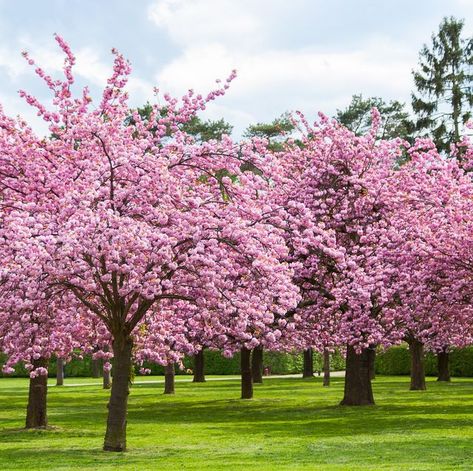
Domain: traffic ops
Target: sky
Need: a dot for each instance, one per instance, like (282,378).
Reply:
(307,55)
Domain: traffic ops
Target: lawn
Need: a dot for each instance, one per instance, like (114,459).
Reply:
(291,424)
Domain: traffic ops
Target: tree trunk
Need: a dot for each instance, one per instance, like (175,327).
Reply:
(246,376)
(358,390)
(107,379)
(36,411)
(443,365)
(60,372)
(308,369)
(372,359)
(199,367)
(169,379)
(115,436)
(326,368)
(416,349)
(257,365)
(97,369)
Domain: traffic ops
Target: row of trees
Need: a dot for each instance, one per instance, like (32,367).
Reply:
(125,236)
(441,102)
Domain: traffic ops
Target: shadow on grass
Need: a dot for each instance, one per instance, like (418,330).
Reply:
(288,420)
(358,454)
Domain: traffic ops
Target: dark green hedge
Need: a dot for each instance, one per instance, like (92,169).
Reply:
(215,364)
(337,361)
(75,368)
(396,361)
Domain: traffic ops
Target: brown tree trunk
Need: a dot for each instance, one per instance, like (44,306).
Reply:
(36,411)
(246,376)
(107,379)
(358,391)
(326,368)
(257,365)
(97,368)
(115,436)
(443,365)
(199,367)
(169,374)
(372,359)
(416,349)
(308,368)
(60,372)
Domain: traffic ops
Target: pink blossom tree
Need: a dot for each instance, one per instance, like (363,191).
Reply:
(336,183)
(432,210)
(139,215)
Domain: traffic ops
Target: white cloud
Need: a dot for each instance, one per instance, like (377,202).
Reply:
(216,36)
(50,58)
(239,23)
(91,69)
(304,54)
(90,66)
(15,106)
(199,66)
(273,81)
(12,64)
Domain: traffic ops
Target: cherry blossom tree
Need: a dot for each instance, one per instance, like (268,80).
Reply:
(432,211)
(33,325)
(337,186)
(140,215)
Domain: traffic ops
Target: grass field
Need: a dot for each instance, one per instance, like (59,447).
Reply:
(291,424)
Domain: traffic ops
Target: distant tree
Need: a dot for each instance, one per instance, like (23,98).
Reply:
(444,83)
(201,130)
(395,119)
(207,130)
(276,132)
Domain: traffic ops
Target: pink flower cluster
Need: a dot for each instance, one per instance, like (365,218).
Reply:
(120,228)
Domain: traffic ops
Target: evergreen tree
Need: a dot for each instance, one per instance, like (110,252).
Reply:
(444,83)
(357,117)
(201,130)
(276,132)
(207,130)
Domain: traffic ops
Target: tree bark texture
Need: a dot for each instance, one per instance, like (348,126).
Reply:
(60,372)
(257,365)
(169,374)
(199,367)
(97,368)
(36,411)
(416,350)
(308,368)
(443,366)
(107,379)
(326,368)
(246,375)
(115,436)
(358,391)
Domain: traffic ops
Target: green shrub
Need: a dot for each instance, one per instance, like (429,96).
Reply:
(396,361)
(461,362)
(215,364)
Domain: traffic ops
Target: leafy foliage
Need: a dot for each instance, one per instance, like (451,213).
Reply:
(277,132)
(395,120)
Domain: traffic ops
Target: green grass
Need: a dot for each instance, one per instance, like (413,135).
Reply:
(291,424)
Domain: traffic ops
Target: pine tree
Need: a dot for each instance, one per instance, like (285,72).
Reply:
(202,130)
(394,118)
(444,82)
(276,132)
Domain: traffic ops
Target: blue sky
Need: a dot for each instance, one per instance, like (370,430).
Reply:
(309,55)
